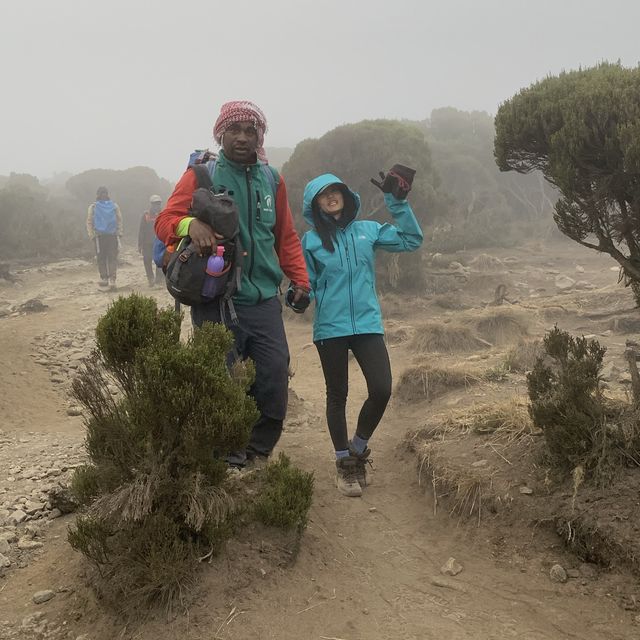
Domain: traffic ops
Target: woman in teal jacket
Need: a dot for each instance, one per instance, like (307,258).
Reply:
(340,256)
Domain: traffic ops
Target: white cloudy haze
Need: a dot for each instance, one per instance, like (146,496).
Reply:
(115,84)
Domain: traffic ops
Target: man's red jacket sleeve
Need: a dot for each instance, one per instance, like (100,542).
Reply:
(177,208)
(288,246)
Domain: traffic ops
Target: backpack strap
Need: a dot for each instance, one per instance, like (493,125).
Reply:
(271,174)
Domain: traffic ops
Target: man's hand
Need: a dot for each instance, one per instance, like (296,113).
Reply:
(203,237)
(297,297)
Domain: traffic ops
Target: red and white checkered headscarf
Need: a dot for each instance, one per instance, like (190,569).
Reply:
(241,111)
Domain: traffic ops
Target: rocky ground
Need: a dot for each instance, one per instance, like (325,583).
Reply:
(387,566)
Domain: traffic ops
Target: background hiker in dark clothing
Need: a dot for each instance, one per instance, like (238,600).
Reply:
(104,227)
(340,254)
(146,239)
(272,247)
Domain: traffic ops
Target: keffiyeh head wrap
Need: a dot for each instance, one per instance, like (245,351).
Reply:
(241,111)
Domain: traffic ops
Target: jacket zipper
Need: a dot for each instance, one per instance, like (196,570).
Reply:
(258,207)
(355,253)
(351,311)
(250,222)
(324,293)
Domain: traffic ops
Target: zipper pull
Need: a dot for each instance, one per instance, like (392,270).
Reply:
(258,206)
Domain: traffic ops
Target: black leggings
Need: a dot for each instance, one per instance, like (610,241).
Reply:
(371,353)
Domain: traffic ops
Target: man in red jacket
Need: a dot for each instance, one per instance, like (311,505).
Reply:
(272,248)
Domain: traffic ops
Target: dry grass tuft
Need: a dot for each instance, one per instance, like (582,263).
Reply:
(445,338)
(501,326)
(398,333)
(450,302)
(467,491)
(485,262)
(424,382)
(507,422)
(524,355)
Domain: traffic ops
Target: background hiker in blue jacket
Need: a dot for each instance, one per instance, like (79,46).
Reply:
(104,227)
(340,256)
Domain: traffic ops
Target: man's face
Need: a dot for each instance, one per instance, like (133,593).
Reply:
(240,142)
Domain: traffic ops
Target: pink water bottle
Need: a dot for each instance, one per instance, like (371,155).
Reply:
(214,282)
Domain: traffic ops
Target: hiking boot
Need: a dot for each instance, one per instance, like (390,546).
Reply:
(347,478)
(256,462)
(362,460)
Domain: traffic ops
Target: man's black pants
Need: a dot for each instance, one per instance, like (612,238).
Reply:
(259,335)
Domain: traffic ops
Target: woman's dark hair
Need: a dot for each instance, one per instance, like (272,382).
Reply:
(326,228)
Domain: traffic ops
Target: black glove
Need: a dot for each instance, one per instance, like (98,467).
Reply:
(397,181)
(303,302)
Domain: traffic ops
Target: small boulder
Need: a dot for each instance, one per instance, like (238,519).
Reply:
(565,283)
(557,573)
(17,517)
(40,597)
(27,544)
(451,567)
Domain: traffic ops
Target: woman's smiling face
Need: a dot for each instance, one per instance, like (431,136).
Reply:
(331,200)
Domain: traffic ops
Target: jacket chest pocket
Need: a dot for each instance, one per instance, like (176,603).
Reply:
(265,208)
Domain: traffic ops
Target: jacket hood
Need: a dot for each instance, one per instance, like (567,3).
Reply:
(313,188)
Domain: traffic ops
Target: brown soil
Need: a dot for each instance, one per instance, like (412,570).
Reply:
(366,568)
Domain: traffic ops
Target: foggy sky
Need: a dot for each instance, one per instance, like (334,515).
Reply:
(119,83)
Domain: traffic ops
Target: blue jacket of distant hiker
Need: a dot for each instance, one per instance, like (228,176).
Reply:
(343,283)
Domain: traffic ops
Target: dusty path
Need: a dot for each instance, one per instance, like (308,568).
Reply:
(366,568)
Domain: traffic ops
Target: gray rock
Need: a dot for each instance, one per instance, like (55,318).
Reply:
(17,517)
(4,561)
(5,547)
(41,597)
(33,507)
(479,463)
(27,544)
(626,324)
(9,536)
(557,573)
(573,573)
(54,513)
(60,498)
(526,491)
(33,619)
(451,567)
(74,411)
(564,283)
(609,371)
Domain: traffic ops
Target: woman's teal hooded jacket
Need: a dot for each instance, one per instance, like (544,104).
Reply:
(343,283)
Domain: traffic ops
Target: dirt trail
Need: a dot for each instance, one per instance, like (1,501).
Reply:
(367,568)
